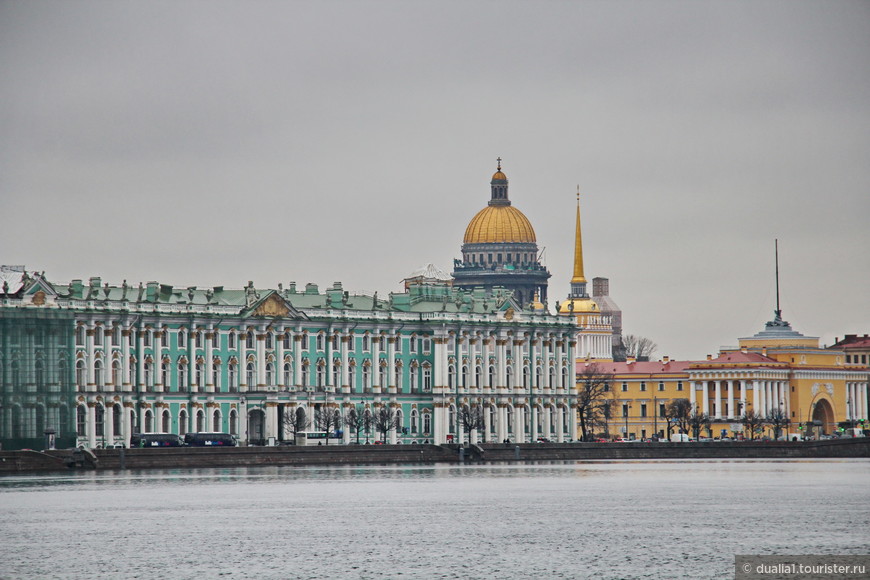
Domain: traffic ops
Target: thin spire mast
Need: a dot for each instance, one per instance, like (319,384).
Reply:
(778,311)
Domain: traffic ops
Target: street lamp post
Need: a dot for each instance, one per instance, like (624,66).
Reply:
(627,409)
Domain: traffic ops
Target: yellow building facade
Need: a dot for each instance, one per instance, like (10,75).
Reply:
(777,369)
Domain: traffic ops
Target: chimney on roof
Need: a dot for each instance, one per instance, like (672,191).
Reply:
(630,360)
(666,359)
(763,351)
(743,349)
(709,357)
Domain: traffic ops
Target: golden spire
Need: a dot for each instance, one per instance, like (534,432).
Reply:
(578,278)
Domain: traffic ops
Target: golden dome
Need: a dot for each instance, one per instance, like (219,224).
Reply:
(499,175)
(499,224)
(581,306)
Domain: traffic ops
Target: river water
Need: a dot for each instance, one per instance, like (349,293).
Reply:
(626,519)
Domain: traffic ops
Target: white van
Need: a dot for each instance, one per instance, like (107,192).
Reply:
(679,438)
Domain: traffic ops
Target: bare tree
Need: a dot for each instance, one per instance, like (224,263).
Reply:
(639,347)
(594,388)
(677,412)
(698,421)
(777,419)
(753,422)
(358,419)
(385,420)
(327,419)
(296,422)
(471,419)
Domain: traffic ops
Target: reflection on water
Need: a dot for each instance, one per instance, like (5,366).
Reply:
(632,519)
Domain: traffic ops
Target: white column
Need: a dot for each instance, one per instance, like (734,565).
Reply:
(501,428)
(719,398)
(345,369)
(559,382)
(391,364)
(125,364)
(705,398)
(140,360)
(743,385)
(376,361)
(156,375)
(560,424)
(863,408)
(261,358)
(758,397)
(545,362)
(209,362)
(548,428)
(692,387)
(92,424)
(438,371)
(279,358)
(730,409)
(297,360)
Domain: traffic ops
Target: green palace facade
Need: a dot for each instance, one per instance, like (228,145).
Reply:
(96,362)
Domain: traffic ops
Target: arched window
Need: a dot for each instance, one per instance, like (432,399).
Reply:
(288,376)
(464,376)
(249,375)
(98,373)
(565,382)
(269,340)
(182,422)
(398,378)
(39,373)
(98,336)
(451,376)
(400,422)
(81,420)
(200,421)
(199,371)
(366,378)
(414,420)
(525,375)
(413,377)
(182,376)
(509,374)
(116,373)
(491,376)
(149,421)
(234,422)
(321,374)
(233,376)
(216,375)
(382,377)
(216,421)
(164,374)
(320,341)
(80,336)
(182,339)
(427,423)
(351,369)
(148,373)
(166,421)
(305,373)
(451,419)
(117,416)
(427,378)
(477,373)
(270,373)
(249,339)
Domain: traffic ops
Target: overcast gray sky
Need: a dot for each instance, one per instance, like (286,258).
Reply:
(212,143)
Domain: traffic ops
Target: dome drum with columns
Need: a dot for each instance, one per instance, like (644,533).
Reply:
(500,249)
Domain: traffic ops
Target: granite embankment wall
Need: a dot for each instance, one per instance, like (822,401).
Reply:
(196,457)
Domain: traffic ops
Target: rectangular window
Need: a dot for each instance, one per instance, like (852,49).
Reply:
(216,339)
(98,336)
(198,340)
(661,386)
(642,386)
(625,409)
(231,340)
(624,387)
(643,409)
(680,385)
(427,345)
(661,409)
(147,339)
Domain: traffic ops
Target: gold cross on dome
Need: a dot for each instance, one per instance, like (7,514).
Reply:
(499,163)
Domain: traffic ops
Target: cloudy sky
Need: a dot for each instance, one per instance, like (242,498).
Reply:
(212,143)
